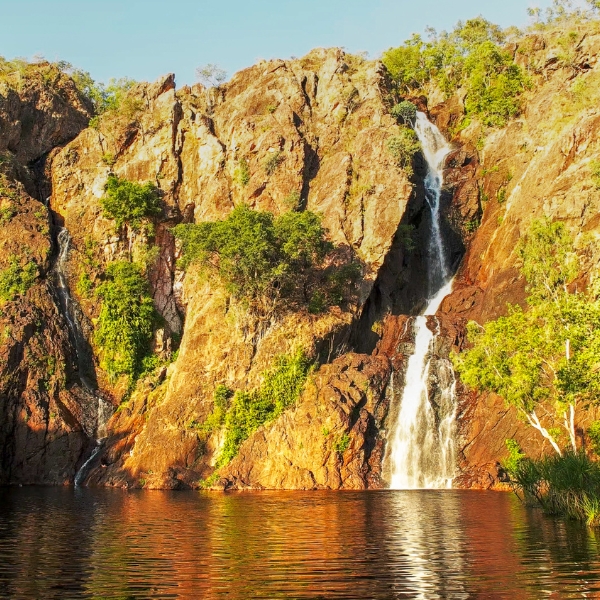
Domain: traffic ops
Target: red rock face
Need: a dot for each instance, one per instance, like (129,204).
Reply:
(326,119)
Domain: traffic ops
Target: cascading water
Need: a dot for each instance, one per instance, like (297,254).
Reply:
(422,453)
(97,410)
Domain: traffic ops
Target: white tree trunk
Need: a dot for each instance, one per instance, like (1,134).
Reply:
(534,421)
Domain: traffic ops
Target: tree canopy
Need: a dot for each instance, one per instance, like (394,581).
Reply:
(546,356)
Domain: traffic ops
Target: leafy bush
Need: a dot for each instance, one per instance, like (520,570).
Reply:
(494,84)
(254,253)
(126,320)
(15,280)
(281,387)
(406,112)
(403,147)
(469,56)
(129,203)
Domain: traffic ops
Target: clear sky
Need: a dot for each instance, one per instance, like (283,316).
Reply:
(143,39)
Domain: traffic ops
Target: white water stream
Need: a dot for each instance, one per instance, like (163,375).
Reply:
(97,411)
(422,448)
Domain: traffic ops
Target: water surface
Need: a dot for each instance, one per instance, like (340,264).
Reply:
(80,543)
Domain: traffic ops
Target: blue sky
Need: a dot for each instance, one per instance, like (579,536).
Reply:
(143,39)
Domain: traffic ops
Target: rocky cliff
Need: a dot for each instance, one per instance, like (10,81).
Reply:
(322,123)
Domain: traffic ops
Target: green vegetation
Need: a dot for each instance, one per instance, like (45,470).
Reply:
(567,486)
(15,280)
(403,147)
(242,172)
(546,356)
(471,57)
(126,320)
(342,443)
(595,171)
(272,162)
(129,203)
(259,258)
(248,410)
(405,112)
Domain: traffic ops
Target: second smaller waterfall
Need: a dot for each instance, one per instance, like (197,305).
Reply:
(97,410)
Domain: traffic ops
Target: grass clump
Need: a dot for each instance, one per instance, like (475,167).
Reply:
(15,280)
(126,320)
(129,203)
(248,410)
(566,486)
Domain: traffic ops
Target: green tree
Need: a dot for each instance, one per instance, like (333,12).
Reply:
(471,57)
(126,320)
(129,203)
(548,356)
(258,258)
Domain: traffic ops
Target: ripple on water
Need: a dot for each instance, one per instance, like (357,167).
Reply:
(65,543)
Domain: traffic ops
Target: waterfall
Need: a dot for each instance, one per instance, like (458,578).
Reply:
(422,451)
(97,410)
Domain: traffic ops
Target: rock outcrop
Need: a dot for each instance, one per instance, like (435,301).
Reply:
(281,135)
(43,412)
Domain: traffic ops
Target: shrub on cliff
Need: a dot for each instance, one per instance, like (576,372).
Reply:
(403,147)
(126,320)
(15,280)
(129,203)
(546,357)
(258,257)
(248,410)
(469,57)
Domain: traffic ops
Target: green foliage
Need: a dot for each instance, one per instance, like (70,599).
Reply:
(550,352)
(567,486)
(494,83)
(7,213)
(126,320)
(242,172)
(406,236)
(469,56)
(272,162)
(15,280)
(403,147)
(471,225)
(253,253)
(281,387)
(216,419)
(593,432)
(129,203)
(342,443)
(515,456)
(84,285)
(405,112)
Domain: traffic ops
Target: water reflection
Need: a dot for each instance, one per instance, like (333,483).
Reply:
(64,543)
